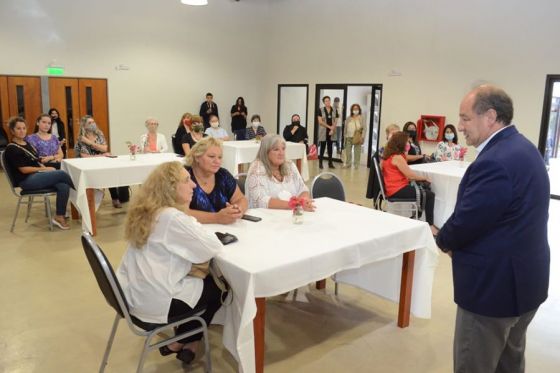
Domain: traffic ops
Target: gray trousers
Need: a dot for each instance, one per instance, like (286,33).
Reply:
(485,344)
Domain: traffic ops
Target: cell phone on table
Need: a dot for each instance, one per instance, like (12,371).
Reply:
(251,218)
(111,156)
(226,238)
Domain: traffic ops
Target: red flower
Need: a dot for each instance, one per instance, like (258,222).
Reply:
(295,202)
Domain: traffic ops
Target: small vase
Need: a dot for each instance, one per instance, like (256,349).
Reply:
(297,215)
(132,156)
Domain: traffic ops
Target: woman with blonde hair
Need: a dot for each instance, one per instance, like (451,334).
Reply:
(272,180)
(153,141)
(163,243)
(184,127)
(217,198)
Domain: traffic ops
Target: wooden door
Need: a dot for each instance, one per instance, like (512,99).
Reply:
(94,102)
(24,98)
(64,97)
(4,105)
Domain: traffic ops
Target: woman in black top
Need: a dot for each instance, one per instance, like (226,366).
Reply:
(295,132)
(30,174)
(192,137)
(414,154)
(57,129)
(185,126)
(239,119)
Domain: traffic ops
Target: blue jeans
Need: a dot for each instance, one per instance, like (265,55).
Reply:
(240,134)
(51,179)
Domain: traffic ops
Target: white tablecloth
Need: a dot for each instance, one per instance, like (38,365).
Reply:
(274,256)
(104,172)
(446,177)
(238,152)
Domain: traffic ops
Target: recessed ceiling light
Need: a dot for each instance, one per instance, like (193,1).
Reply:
(195,2)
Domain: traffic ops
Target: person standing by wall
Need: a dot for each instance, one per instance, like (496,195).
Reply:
(239,119)
(339,110)
(326,117)
(208,108)
(497,238)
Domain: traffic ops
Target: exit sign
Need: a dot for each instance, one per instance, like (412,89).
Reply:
(55,70)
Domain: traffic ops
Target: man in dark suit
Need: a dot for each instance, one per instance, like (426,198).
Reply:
(207,109)
(497,238)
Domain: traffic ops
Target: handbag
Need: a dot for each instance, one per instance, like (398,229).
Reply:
(202,270)
(358,138)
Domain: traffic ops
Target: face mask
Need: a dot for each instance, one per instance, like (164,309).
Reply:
(91,127)
(449,136)
(256,124)
(215,124)
(295,122)
(198,128)
(407,148)
(412,133)
(356,112)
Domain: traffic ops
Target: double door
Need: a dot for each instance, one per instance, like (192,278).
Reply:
(29,96)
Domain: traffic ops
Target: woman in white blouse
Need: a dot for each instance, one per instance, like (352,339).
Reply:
(152,141)
(448,149)
(272,180)
(163,243)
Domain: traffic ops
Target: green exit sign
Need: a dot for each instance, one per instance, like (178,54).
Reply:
(55,70)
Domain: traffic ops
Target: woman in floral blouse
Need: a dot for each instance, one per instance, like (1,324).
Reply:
(448,149)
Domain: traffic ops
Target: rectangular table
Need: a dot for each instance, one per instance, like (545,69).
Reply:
(92,173)
(238,152)
(446,177)
(274,256)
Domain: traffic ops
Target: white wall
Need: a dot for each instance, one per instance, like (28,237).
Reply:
(177,53)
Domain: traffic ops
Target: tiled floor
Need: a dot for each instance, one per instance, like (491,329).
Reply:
(54,319)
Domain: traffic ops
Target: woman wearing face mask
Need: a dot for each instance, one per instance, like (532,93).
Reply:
(239,118)
(215,130)
(413,151)
(256,129)
(184,127)
(448,150)
(191,138)
(295,132)
(46,144)
(152,141)
(353,126)
(91,143)
(397,176)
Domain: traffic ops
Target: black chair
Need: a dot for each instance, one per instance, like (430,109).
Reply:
(111,289)
(403,204)
(25,197)
(177,147)
(241,178)
(327,184)
(3,139)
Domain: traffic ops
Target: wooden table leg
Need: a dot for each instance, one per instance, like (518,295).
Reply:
(406,289)
(74,212)
(90,193)
(321,284)
(258,330)
(240,168)
(298,165)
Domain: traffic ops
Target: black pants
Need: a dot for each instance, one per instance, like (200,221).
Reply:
(210,298)
(114,193)
(329,144)
(410,192)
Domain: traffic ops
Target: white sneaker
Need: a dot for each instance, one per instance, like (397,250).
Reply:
(59,224)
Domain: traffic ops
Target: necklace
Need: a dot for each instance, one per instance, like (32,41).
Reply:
(202,180)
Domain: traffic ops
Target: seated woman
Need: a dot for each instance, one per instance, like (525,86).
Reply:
(272,180)
(449,150)
(47,145)
(31,174)
(295,132)
(192,137)
(414,153)
(256,129)
(397,175)
(215,130)
(163,243)
(217,197)
(91,143)
(184,127)
(391,128)
(153,141)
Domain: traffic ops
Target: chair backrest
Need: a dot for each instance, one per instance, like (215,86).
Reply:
(327,184)
(177,148)
(9,172)
(241,178)
(379,178)
(3,138)
(105,276)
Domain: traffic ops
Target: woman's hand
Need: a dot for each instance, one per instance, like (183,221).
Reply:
(308,205)
(229,214)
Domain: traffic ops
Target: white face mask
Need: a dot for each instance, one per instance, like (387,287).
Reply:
(356,112)
(215,124)
(256,124)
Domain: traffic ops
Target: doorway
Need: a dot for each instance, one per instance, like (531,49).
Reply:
(368,96)
(549,139)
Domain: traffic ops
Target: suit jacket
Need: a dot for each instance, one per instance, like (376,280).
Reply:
(206,116)
(498,231)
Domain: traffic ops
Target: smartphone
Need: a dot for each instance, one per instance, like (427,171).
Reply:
(111,156)
(226,238)
(251,218)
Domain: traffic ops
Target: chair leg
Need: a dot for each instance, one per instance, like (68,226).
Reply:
(49,212)
(336,288)
(207,356)
(29,204)
(109,343)
(145,350)
(16,214)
